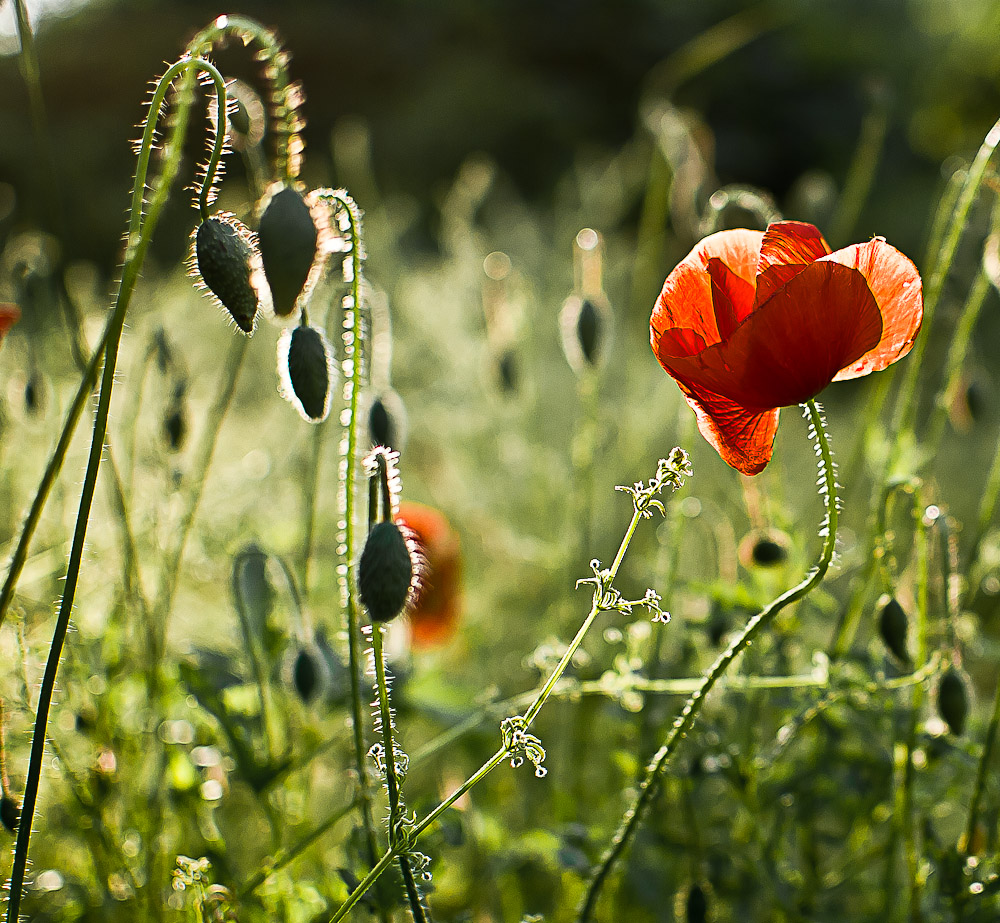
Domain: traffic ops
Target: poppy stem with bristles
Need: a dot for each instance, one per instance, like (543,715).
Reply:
(647,788)
(140,231)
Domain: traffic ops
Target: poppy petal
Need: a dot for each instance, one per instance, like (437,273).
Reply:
(743,438)
(732,297)
(895,283)
(787,248)
(10,314)
(793,345)
(686,300)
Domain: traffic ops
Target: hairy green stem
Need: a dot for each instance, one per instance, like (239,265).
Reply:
(391,779)
(636,811)
(140,232)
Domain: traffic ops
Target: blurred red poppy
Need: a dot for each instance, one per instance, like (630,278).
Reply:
(437,606)
(10,314)
(751,321)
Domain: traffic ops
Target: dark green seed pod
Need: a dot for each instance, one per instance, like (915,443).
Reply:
(696,905)
(588,331)
(381,425)
(307,675)
(10,813)
(768,553)
(304,363)
(385,572)
(893,627)
(175,428)
(507,371)
(287,239)
(584,324)
(223,259)
(953,700)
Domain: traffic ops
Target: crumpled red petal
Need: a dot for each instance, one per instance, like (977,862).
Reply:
(895,284)
(743,438)
(686,304)
(793,345)
(787,248)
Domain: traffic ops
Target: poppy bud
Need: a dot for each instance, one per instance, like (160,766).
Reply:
(175,420)
(507,371)
(696,905)
(385,572)
(767,553)
(10,813)
(763,549)
(584,326)
(718,624)
(304,361)
(307,674)
(893,627)
(953,700)
(288,239)
(34,395)
(224,259)
(387,420)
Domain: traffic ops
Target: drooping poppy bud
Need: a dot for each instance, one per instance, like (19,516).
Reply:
(225,259)
(385,572)
(893,627)
(953,700)
(305,367)
(288,242)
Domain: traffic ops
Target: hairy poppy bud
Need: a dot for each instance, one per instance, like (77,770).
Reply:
(224,258)
(304,361)
(385,572)
(953,700)
(893,627)
(288,239)
(10,813)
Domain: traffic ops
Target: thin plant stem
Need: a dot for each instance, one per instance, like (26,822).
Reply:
(391,779)
(669,473)
(296,849)
(353,339)
(967,845)
(636,811)
(861,173)
(140,230)
(906,409)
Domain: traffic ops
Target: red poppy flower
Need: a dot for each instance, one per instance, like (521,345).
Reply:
(751,321)
(437,605)
(10,314)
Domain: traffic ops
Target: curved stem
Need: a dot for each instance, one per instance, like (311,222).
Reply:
(140,232)
(634,815)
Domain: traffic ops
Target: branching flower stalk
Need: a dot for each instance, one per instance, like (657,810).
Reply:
(517,743)
(637,810)
(140,230)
